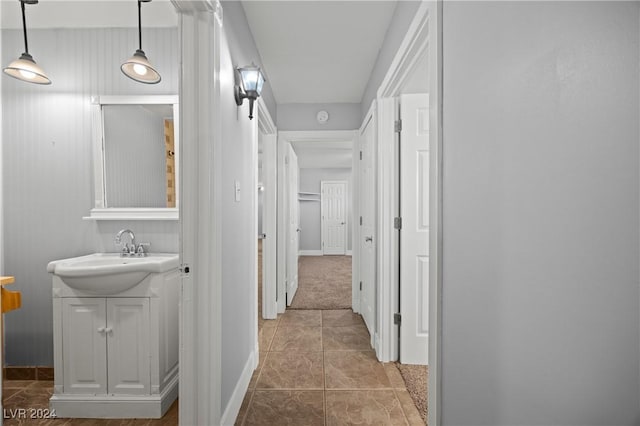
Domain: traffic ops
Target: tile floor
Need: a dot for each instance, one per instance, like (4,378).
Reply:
(317,368)
(32,395)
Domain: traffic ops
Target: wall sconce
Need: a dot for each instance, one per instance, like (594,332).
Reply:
(25,68)
(252,80)
(138,67)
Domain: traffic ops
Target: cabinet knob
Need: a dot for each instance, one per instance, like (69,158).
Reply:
(101,329)
(108,330)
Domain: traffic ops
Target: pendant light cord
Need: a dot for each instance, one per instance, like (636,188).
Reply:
(139,24)
(24,29)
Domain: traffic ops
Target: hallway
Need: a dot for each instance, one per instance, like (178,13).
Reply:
(317,368)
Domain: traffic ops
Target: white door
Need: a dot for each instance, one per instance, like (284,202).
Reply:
(414,235)
(294,226)
(334,217)
(84,345)
(128,346)
(367,228)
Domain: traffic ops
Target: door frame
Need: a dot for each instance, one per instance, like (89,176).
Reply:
(286,138)
(423,37)
(346,214)
(200,227)
(269,205)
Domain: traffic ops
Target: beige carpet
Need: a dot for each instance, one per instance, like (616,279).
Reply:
(416,377)
(324,282)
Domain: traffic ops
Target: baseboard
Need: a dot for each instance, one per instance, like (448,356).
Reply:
(233,407)
(115,406)
(28,373)
(349,252)
(309,252)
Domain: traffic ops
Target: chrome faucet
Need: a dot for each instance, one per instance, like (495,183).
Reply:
(130,249)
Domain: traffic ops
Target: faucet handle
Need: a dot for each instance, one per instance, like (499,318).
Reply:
(141,249)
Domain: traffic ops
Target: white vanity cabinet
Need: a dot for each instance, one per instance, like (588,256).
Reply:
(105,345)
(116,355)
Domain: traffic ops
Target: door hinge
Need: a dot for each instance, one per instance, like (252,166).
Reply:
(360,220)
(397,126)
(397,319)
(360,285)
(397,222)
(361,155)
(184,269)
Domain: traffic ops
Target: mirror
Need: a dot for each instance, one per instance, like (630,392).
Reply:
(136,157)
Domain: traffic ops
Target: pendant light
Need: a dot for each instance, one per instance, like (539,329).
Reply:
(25,68)
(138,67)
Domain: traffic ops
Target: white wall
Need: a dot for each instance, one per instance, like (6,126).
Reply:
(303,116)
(310,211)
(47,169)
(403,14)
(239,273)
(243,48)
(540,291)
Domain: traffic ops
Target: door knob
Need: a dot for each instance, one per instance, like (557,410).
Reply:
(368,239)
(298,230)
(341,223)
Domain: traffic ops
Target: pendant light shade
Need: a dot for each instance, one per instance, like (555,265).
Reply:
(25,68)
(138,67)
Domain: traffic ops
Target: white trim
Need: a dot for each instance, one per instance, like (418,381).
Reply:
(285,138)
(388,241)
(1,214)
(270,215)
(412,47)
(408,55)
(116,406)
(200,212)
(422,32)
(435,214)
(349,253)
(317,135)
(133,214)
(265,121)
(101,211)
(310,253)
(230,414)
(134,100)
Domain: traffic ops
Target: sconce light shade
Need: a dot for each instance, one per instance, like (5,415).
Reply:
(139,69)
(252,80)
(25,68)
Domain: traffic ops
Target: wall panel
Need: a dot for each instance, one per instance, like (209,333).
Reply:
(47,166)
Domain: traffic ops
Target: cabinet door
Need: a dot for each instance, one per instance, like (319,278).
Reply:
(84,346)
(128,346)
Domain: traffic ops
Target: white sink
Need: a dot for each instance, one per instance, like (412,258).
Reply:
(108,273)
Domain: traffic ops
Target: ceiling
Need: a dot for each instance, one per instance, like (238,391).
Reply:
(318,51)
(88,14)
